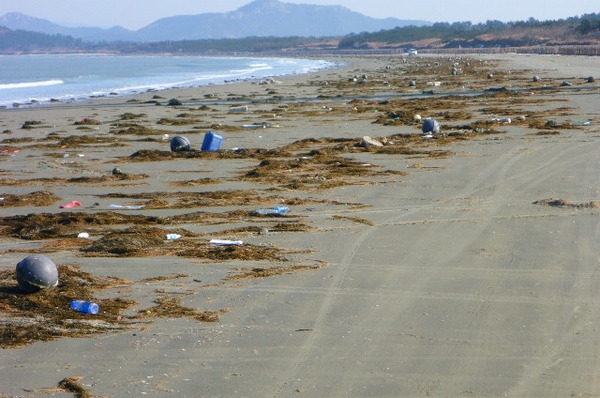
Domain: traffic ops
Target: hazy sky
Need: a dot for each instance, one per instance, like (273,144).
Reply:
(134,14)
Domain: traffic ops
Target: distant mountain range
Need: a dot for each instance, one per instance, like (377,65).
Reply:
(261,18)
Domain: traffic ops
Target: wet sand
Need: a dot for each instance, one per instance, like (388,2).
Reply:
(463,264)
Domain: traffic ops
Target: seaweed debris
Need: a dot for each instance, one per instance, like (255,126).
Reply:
(46,315)
(565,203)
(33,199)
(170,307)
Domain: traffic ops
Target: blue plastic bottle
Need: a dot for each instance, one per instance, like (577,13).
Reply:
(85,306)
(276,210)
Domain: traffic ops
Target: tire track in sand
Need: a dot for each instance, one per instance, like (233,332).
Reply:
(494,176)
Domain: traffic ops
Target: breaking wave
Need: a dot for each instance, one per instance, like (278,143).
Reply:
(53,82)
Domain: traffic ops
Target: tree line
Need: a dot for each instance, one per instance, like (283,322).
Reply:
(458,33)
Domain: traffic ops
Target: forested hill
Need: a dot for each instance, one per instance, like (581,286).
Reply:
(584,30)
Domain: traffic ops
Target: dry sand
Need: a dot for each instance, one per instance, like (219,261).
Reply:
(465,265)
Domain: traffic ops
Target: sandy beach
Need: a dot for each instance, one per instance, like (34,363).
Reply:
(458,264)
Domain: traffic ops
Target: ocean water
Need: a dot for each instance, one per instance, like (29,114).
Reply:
(41,78)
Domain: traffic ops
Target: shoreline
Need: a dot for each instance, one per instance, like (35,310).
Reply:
(53,99)
(460,263)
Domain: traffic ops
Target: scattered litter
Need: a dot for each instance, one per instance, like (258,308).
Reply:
(368,141)
(174,102)
(276,210)
(264,231)
(586,123)
(126,207)
(226,242)
(238,109)
(180,144)
(36,272)
(259,126)
(74,203)
(173,236)
(212,141)
(84,235)
(431,126)
(85,306)
(9,151)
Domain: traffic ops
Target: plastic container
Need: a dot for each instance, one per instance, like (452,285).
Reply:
(276,210)
(85,306)
(212,141)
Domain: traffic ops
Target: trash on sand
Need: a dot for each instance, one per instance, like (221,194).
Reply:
(238,109)
(276,210)
(173,236)
(431,126)
(259,126)
(36,272)
(85,306)
(226,242)
(212,141)
(126,207)
(174,102)
(368,141)
(180,144)
(84,235)
(74,203)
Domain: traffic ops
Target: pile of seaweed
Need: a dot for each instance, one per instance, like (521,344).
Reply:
(46,315)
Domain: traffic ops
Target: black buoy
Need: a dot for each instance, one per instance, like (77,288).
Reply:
(179,144)
(36,272)
(431,126)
